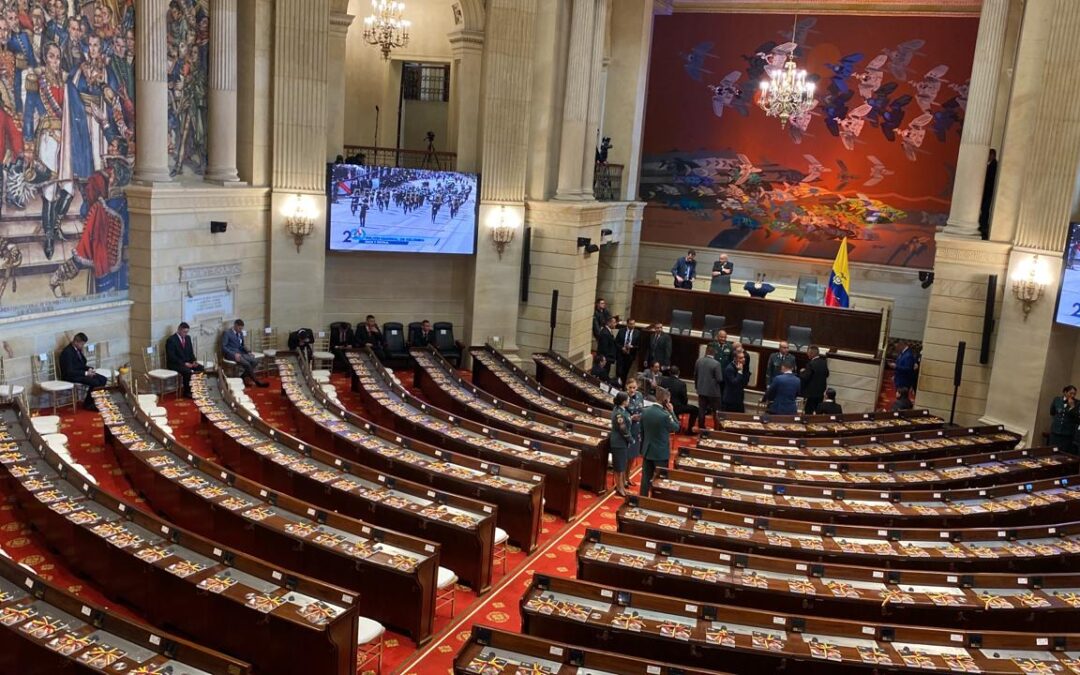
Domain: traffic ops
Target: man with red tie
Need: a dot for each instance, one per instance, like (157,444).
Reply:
(180,356)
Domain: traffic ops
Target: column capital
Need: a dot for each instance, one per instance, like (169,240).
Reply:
(465,41)
(339,24)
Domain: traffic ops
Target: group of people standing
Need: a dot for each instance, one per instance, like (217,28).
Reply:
(638,430)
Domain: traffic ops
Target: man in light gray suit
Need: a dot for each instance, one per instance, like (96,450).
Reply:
(708,378)
(234,349)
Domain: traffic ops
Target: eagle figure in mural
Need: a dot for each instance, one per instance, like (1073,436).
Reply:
(870,79)
(745,169)
(878,171)
(845,176)
(900,58)
(851,125)
(776,57)
(894,115)
(798,123)
(815,169)
(946,117)
(727,95)
(843,70)
(911,138)
(694,62)
(926,89)
(961,93)
(802,30)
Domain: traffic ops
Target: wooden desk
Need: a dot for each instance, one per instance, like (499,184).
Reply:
(945,473)
(464,528)
(495,373)
(557,373)
(1035,548)
(833,327)
(490,651)
(393,406)
(987,601)
(171,576)
(517,494)
(443,387)
(784,428)
(46,630)
(395,573)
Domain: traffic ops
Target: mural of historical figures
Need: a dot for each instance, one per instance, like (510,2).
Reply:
(66,150)
(872,161)
(188,45)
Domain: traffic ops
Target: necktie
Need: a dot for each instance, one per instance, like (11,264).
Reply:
(627,338)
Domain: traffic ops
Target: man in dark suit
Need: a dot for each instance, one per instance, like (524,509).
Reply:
(658,347)
(341,338)
(684,270)
(736,377)
(776,360)
(782,391)
(425,336)
(906,364)
(815,379)
(180,356)
(657,423)
(830,406)
(605,345)
(679,399)
(368,334)
(600,317)
(707,378)
(628,341)
(73,368)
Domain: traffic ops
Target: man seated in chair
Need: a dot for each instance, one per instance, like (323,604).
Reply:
(180,356)
(234,349)
(426,336)
(341,338)
(369,334)
(74,368)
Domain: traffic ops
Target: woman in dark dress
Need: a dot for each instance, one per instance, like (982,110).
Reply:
(620,441)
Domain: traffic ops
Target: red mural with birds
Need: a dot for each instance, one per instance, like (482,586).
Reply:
(872,161)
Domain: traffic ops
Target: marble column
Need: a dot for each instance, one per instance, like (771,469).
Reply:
(468,49)
(221,94)
(978,120)
(594,119)
(575,131)
(335,77)
(152,96)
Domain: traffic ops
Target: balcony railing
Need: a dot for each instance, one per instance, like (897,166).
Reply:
(607,182)
(407,159)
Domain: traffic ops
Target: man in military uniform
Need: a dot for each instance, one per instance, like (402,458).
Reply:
(777,360)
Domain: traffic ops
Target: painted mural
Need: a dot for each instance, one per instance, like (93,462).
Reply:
(188,44)
(67,124)
(872,161)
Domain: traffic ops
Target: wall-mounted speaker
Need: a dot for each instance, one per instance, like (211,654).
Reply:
(218,226)
(988,319)
(526,265)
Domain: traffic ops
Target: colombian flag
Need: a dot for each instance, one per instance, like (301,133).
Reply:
(836,293)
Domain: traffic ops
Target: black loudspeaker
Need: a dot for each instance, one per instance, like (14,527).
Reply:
(554,315)
(526,266)
(958,371)
(218,226)
(988,319)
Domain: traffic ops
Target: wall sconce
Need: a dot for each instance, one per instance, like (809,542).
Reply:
(300,223)
(1029,280)
(586,243)
(502,230)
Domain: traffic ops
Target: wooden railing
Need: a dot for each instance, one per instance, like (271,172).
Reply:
(409,159)
(607,182)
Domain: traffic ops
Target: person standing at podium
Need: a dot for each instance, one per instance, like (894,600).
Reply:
(721,275)
(685,270)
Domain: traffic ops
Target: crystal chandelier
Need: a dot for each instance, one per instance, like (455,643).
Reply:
(786,93)
(385,28)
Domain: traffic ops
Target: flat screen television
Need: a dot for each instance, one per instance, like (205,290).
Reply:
(393,209)
(1068,301)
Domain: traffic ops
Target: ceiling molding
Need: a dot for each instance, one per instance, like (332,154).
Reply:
(861,7)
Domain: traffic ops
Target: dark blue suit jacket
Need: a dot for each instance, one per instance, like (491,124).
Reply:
(782,392)
(905,369)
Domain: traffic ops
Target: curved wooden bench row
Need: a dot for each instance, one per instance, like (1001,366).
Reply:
(45,630)
(392,406)
(497,374)
(203,496)
(744,640)
(830,426)
(464,528)
(494,652)
(559,375)
(517,494)
(992,601)
(443,387)
(1052,500)
(1034,549)
(890,447)
(277,620)
(967,471)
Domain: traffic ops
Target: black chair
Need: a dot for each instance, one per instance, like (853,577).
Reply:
(752,332)
(799,337)
(714,323)
(394,338)
(445,342)
(680,321)
(414,330)
(721,284)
